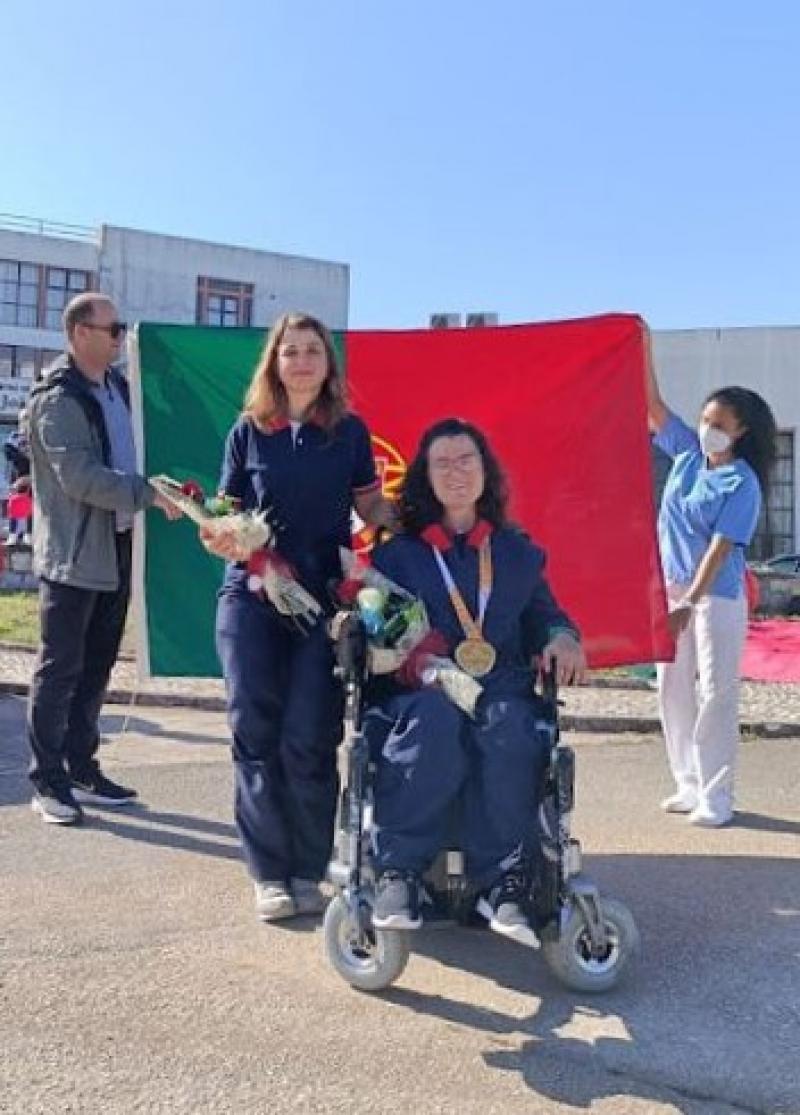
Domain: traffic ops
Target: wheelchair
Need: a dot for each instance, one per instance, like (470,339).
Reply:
(586,940)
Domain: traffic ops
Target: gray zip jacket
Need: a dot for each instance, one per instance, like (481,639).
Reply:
(76,492)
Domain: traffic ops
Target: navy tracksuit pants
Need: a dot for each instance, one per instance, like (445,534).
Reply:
(428,753)
(284,710)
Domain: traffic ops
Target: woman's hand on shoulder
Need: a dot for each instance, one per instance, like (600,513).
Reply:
(566,654)
(377,511)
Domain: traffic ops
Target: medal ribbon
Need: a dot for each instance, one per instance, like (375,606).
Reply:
(472,628)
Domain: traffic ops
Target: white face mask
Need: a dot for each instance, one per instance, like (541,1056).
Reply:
(712,439)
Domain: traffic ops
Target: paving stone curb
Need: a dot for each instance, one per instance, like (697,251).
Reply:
(639,725)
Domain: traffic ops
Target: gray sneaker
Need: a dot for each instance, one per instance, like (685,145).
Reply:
(505,900)
(396,902)
(308,898)
(504,909)
(57,808)
(273,900)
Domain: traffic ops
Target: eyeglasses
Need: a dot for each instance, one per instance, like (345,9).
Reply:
(114,330)
(465,463)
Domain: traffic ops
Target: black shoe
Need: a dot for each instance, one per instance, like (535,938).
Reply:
(396,902)
(96,789)
(56,807)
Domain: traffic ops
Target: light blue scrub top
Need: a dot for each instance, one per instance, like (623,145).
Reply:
(699,502)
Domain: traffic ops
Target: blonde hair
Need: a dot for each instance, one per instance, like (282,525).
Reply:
(266,398)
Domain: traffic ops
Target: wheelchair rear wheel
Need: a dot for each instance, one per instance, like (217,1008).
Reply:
(570,955)
(369,960)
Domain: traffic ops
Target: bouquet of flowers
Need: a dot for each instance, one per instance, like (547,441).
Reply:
(400,637)
(254,533)
(252,530)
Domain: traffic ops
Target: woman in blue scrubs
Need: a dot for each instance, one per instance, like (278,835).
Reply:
(299,451)
(708,516)
(482,581)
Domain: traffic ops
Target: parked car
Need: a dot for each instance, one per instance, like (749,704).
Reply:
(779,583)
(787,564)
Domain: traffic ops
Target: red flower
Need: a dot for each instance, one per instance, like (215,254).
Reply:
(193,490)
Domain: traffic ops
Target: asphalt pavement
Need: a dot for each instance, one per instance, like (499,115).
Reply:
(135,978)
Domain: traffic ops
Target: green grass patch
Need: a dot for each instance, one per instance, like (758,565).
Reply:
(19,618)
(19,621)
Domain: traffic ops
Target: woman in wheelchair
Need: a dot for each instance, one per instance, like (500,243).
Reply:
(482,582)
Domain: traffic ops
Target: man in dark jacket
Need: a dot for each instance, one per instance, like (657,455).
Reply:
(86,490)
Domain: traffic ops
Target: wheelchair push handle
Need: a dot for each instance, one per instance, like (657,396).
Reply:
(350,645)
(549,682)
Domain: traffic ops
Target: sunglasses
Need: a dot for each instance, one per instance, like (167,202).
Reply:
(114,330)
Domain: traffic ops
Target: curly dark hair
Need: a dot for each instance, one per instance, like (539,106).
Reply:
(757,445)
(419,507)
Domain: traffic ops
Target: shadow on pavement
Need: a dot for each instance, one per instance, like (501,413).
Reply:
(114,725)
(762,822)
(138,824)
(139,811)
(707,1019)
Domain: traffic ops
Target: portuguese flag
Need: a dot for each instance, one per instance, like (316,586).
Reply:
(561,402)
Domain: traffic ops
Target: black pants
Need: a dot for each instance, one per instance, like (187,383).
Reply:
(81,632)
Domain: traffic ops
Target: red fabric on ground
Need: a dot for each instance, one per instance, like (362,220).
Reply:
(772,650)
(563,405)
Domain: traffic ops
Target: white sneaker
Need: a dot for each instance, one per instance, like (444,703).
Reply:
(57,810)
(683,801)
(273,901)
(308,898)
(710,818)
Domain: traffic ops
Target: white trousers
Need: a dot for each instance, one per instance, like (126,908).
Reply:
(698,697)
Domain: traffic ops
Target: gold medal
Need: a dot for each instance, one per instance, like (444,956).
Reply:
(475,656)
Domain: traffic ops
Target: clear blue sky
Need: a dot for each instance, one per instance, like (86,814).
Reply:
(543,160)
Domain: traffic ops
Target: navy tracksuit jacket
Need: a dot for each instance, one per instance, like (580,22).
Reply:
(283,703)
(428,750)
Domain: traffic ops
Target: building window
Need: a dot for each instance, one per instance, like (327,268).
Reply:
(775,532)
(61,284)
(18,362)
(223,303)
(19,293)
(35,296)
(21,362)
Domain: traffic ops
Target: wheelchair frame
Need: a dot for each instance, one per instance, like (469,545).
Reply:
(586,940)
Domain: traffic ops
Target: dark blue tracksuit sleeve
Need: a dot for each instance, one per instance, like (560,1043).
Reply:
(542,615)
(382,559)
(365,476)
(233,477)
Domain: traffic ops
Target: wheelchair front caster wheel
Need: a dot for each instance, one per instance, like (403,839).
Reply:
(570,956)
(369,960)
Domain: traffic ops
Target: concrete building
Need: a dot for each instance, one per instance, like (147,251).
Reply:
(151,278)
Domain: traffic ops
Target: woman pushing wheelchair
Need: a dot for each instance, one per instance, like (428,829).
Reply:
(482,582)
